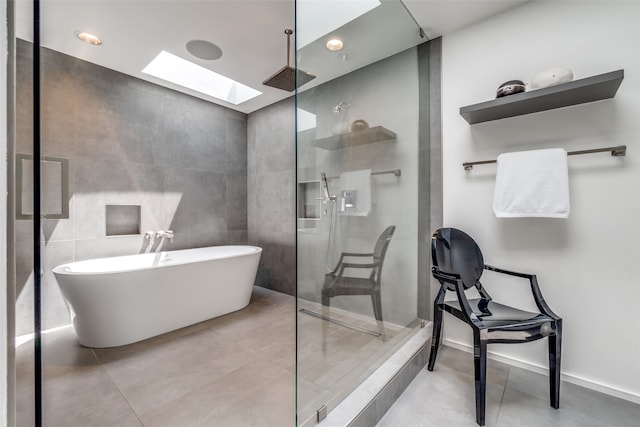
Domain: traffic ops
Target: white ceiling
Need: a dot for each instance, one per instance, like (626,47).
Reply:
(249,32)
(441,17)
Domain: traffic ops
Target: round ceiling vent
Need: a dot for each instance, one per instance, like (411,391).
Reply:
(204,50)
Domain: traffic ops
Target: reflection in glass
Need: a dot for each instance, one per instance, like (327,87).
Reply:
(352,314)
(55,187)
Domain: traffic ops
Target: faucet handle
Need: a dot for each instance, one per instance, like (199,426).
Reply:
(149,235)
(167,233)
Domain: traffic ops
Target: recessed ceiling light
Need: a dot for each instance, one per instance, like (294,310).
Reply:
(88,38)
(335,45)
(204,50)
(315,19)
(174,69)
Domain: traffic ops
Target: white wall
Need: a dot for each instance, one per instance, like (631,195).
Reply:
(588,266)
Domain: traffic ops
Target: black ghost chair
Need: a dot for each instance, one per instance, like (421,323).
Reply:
(339,282)
(458,265)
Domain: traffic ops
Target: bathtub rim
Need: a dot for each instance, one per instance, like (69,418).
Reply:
(60,269)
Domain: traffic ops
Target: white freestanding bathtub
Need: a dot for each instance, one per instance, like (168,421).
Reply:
(121,300)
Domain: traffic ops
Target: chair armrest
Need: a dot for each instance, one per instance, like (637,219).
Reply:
(511,273)
(443,277)
(467,311)
(535,289)
(348,254)
(346,265)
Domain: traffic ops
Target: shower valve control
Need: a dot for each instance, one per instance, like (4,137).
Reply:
(348,200)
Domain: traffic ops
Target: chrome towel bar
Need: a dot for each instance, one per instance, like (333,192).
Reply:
(619,150)
(396,172)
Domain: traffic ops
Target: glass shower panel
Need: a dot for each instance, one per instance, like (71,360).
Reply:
(357,174)
(142,157)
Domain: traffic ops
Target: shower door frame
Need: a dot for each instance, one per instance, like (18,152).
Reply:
(7,207)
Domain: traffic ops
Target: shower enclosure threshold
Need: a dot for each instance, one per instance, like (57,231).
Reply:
(373,397)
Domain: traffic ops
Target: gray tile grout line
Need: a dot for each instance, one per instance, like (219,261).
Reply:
(504,391)
(124,397)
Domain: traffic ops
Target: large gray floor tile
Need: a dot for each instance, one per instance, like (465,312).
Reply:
(515,398)
(85,397)
(259,394)
(235,370)
(76,390)
(524,410)
(462,362)
(160,375)
(590,406)
(441,398)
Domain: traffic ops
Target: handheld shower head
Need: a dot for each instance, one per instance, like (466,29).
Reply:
(325,186)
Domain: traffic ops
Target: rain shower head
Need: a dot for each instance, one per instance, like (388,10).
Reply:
(287,77)
(338,109)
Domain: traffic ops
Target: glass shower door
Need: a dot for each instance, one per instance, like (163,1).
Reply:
(357,177)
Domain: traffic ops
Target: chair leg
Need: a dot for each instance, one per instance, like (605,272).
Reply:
(480,369)
(555,353)
(435,339)
(377,305)
(437,327)
(325,299)
(325,325)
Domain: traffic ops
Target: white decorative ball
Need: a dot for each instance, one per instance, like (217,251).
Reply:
(551,77)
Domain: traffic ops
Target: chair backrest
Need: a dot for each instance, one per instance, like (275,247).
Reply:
(455,253)
(380,250)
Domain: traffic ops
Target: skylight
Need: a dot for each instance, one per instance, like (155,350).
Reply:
(174,69)
(305,120)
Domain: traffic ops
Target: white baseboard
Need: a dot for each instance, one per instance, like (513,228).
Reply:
(570,378)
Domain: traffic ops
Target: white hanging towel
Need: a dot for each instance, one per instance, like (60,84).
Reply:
(355,195)
(532,184)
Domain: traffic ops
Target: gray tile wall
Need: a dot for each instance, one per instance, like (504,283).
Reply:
(183,160)
(434,52)
(271,190)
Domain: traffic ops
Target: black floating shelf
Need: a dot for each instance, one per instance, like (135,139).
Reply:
(355,138)
(591,89)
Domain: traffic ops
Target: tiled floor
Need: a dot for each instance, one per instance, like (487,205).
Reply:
(235,370)
(239,370)
(515,398)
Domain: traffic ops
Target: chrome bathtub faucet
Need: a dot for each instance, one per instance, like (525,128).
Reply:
(165,234)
